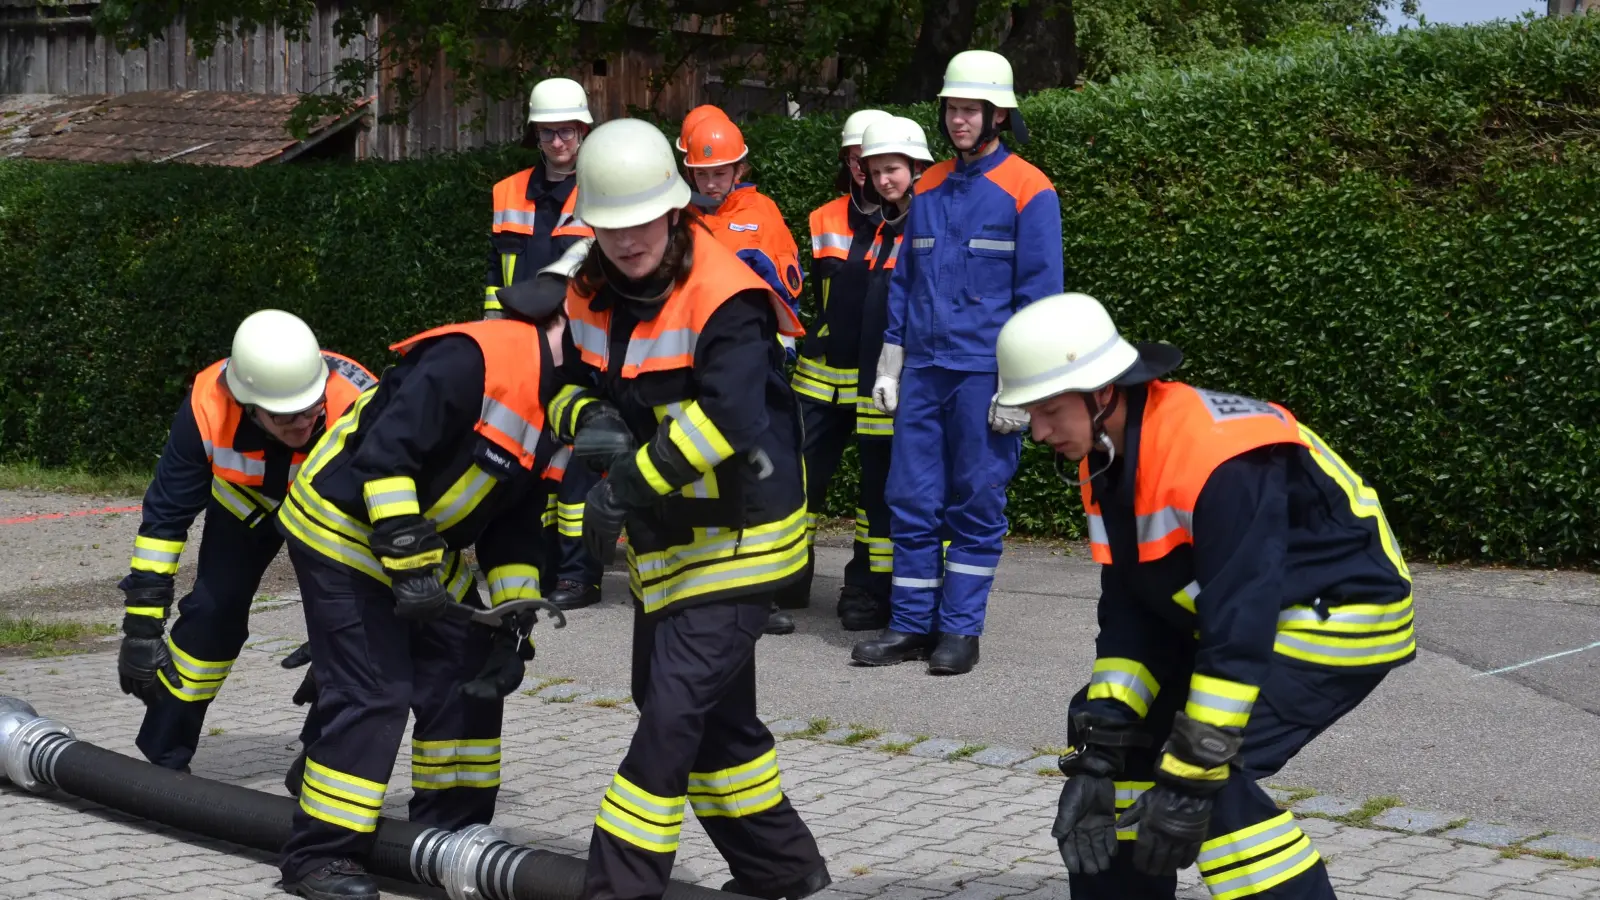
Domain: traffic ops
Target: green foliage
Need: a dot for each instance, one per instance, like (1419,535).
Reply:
(1396,237)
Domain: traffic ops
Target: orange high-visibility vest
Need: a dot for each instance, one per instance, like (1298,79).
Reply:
(218,416)
(514,212)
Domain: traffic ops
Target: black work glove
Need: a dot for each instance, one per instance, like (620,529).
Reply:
(1085,829)
(412,555)
(607,506)
(144,653)
(503,668)
(307,692)
(536,299)
(1174,816)
(602,437)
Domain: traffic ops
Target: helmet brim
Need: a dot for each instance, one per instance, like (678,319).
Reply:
(278,406)
(1155,360)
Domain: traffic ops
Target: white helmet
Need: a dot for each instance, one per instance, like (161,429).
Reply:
(558,100)
(980,75)
(628,175)
(1067,343)
(895,134)
(856,125)
(276,363)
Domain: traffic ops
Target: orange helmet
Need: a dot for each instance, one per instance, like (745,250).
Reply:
(695,117)
(714,142)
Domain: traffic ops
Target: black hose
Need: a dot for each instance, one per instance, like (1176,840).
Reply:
(262,821)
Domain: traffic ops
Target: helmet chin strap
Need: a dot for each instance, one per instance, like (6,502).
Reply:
(1097,418)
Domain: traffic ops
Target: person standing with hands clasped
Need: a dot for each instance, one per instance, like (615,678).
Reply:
(1252,594)
(699,437)
(983,240)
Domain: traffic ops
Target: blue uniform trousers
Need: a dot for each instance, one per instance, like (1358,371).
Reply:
(947,479)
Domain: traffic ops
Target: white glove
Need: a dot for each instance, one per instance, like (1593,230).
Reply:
(788,345)
(886,389)
(566,265)
(1007,419)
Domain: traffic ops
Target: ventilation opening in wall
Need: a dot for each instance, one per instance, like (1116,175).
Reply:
(600,68)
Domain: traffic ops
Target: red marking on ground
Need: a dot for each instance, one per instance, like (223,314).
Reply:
(102,511)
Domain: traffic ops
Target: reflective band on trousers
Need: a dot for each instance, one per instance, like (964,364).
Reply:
(964,569)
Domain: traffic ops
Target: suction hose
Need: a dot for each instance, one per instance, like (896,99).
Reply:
(475,863)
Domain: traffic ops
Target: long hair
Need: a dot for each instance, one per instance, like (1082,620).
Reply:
(673,269)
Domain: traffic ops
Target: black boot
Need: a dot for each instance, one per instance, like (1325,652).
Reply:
(892,648)
(860,611)
(779,621)
(295,775)
(955,655)
(571,594)
(805,887)
(341,879)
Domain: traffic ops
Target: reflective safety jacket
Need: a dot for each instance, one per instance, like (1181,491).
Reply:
(216,451)
(842,242)
(749,224)
(455,432)
(984,240)
(884,256)
(696,378)
(1232,538)
(534,223)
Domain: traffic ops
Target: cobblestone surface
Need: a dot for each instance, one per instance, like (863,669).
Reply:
(901,825)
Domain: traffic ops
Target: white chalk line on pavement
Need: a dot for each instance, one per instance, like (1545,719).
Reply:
(1541,659)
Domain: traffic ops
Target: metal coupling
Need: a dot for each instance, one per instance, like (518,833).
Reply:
(461,857)
(21,729)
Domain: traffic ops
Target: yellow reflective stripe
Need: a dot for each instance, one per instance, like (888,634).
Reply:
(1186,595)
(737,777)
(548,517)
(1352,618)
(460,775)
(742,790)
(352,788)
(569,519)
(824,373)
(719,560)
(415,561)
(1124,680)
(232,500)
(698,438)
(648,469)
(317,536)
(508,267)
(1238,846)
(513,582)
(440,765)
(154,612)
(1177,767)
(1220,702)
(461,498)
(337,812)
(1346,651)
(1129,791)
(392,496)
(1363,499)
(198,679)
(816,390)
(491,299)
(645,820)
(1259,877)
(155,555)
(563,411)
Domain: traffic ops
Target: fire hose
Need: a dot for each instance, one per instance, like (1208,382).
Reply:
(474,863)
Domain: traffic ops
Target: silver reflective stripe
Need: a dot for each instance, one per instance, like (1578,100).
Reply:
(647,840)
(670,810)
(676,342)
(735,804)
(229,498)
(921,243)
(988,244)
(977,86)
(900,581)
(829,239)
(1220,703)
(601,201)
(1290,639)
(964,569)
(588,336)
(513,217)
(451,751)
(1345,475)
(698,438)
(351,820)
(716,551)
(1126,795)
(1097,530)
(756,776)
(695,580)
(1308,615)
(294,470)
(560,458)
(561,110)
(469,493)
(1224,883)
(894,252)
(1124,679)
(506,584)
(333,787)
(506,419)
(455,777)
(158,556)
(228,458)
(1162,522)
(384,498)
(1248,844)
(1069,367)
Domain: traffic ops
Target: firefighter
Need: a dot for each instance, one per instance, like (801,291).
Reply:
(698,434)
(533,226)
(1252,594)
(449,451)
(236,442)
(983,240)
(844,232)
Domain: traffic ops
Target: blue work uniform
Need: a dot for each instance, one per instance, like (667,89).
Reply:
(982,240)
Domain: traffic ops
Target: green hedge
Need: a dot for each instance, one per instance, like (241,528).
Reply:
(1396,237)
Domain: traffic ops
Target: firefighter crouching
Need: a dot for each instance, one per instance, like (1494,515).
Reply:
(699,437)
(236,443)
(1252,594)
(448,451)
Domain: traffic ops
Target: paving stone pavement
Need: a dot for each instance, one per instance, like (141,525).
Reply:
(948,822)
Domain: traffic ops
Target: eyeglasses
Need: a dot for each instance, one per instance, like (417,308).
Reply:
(566,133)
(309,414)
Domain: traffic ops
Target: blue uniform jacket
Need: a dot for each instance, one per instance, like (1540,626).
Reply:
(983,240)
